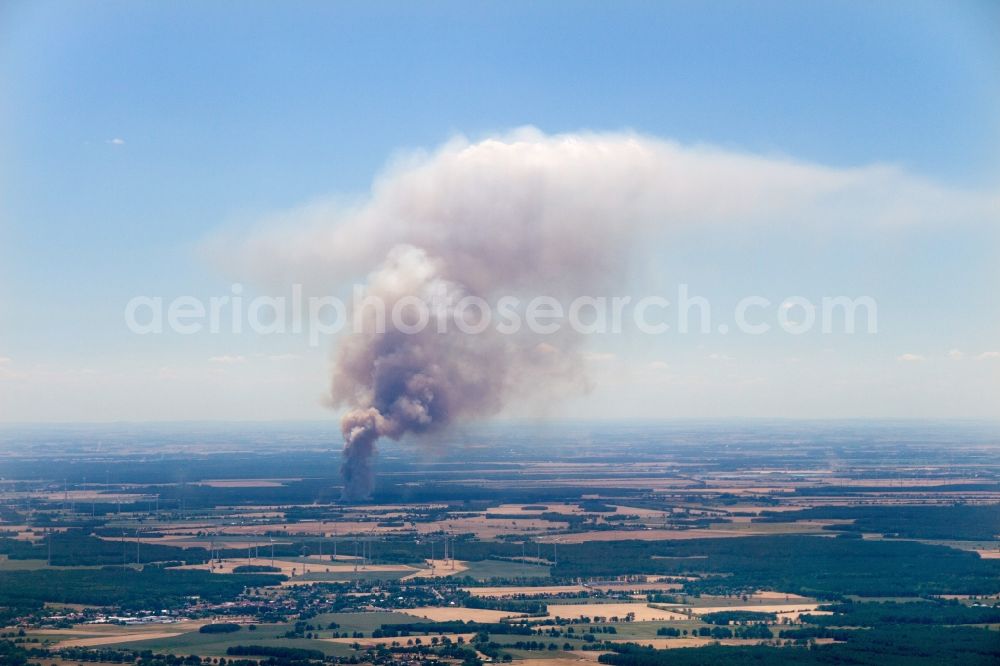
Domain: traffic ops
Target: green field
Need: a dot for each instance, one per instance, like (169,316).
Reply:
(215,645)
(365,622)
(487,569)
(20,565)
(643,630)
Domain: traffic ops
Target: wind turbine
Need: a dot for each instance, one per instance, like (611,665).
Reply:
(372,536)
(452,551)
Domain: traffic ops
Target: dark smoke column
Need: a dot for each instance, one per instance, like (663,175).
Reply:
(405,382)
(360,429)
(413,382)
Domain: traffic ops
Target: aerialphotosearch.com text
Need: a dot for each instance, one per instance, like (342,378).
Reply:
(320,317)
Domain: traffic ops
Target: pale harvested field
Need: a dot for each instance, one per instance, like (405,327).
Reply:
(90,630)
(519,509)
(579,659)
(110,633)
(121,638)
(345,569)
(568,509)
(488,528)
(313,528)
(599,483)
(642,535)
(348,568)
(498,592)
(481,526)
(780,596)
(901,483)
(636,587)
(447,613)
(741,520)
(188,541)
(790,610)
(207,543)
(716,531)
(439,569)
(643,613)
(292,568)
(637,511)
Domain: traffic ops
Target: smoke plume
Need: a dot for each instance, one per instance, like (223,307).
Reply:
(415,382)
(525,214)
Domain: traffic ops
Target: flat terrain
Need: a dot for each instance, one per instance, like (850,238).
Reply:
(641,612)
(671,537)
(449,613)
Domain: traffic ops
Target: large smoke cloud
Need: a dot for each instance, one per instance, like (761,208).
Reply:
(398,382)
(523,214)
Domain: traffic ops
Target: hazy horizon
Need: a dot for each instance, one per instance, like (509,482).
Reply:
(756,162)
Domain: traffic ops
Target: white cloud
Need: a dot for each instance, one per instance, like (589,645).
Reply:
(956,354)
(116,141)
(659,365)
(988,355)
(5,371)
(228,359)
(166,373)
(600,357)
(283,357)
(910,358)
(524,206)
(531,213)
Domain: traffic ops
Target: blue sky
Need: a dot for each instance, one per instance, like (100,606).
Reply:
(131,132)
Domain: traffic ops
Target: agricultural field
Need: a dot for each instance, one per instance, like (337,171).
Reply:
(558,559)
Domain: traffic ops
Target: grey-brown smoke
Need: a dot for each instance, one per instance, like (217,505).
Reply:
(525,214)
(521,216)
(416,382)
